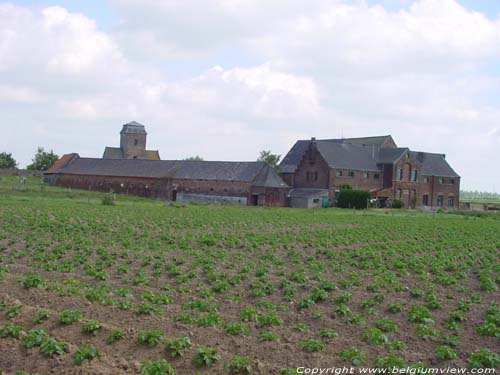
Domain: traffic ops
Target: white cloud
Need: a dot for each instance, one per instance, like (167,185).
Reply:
(299,69)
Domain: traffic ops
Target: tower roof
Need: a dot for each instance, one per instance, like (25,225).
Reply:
(133,127)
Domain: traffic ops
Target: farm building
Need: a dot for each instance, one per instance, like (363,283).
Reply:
(311,174)
(376,164)
(242,183)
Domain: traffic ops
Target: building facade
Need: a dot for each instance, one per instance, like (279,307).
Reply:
(376,164)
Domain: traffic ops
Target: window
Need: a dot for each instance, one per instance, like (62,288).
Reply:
(414,175)
(315,176)
(425,200)
(351,174)
(440,201)
(452,181)
(366,175)
(441,181)
(312,176)
(338,174)
(315,200)
(451,201)
(376,176)
(136,142)
(426,180)
(400,174)
(308,176)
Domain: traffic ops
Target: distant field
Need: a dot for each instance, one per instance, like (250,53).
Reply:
(271,289)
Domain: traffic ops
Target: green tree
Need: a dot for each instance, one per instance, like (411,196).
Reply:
(43,160)
(269,158)
(195,158)
(7,161)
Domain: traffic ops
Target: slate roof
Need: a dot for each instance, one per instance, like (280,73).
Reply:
(177,169)
(364,154)
(339,157)
(308,193)
(348,156)
(434,164)
(112,153)
(292,159)
(390,155)
(133,127)
(376,141)
(268,177)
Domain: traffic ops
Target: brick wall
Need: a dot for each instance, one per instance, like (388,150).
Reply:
(168,188)
(312,171)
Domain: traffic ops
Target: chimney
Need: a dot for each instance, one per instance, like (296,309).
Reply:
(444,156)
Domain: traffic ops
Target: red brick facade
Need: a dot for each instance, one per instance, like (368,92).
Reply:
(402,180)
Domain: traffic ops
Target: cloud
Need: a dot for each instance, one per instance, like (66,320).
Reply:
(424,73)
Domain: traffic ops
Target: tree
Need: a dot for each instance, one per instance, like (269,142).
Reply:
(195,158)
(7,161)
(43,160)
(269,158)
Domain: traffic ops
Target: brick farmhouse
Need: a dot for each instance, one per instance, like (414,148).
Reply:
(376,164)
(310,175)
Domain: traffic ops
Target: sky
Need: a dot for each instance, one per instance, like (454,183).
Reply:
(225,79)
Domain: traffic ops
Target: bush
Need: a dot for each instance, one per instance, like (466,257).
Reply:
(357,199)
(108,200)
(396,203)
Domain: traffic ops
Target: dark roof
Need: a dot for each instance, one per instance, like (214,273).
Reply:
(348,156)
(292,159)
(112,153)
(268,177)
(376,141)
(178,169)
(133,127)
(434,164)
(307,193)
(348,153)
(390,155)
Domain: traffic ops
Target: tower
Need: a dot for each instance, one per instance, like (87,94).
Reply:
(133,140)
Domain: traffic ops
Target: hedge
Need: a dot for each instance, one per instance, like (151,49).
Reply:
(357,199)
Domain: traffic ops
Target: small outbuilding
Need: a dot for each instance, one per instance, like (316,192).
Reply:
(309,198)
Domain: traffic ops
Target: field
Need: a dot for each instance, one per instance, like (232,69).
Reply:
(156,288)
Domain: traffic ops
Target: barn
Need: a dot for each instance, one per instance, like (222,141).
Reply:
(223,182)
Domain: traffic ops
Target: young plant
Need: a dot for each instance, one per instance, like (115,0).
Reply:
(159,367)
(41,316)
(356,356)
(85,353)
(177,346)
(206,356)
(311,345)
(484,358)
(34,337)
(150,337)
(115,336)
(240,365)
(445,353)
(69,316)
(52,347)
(92,327)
